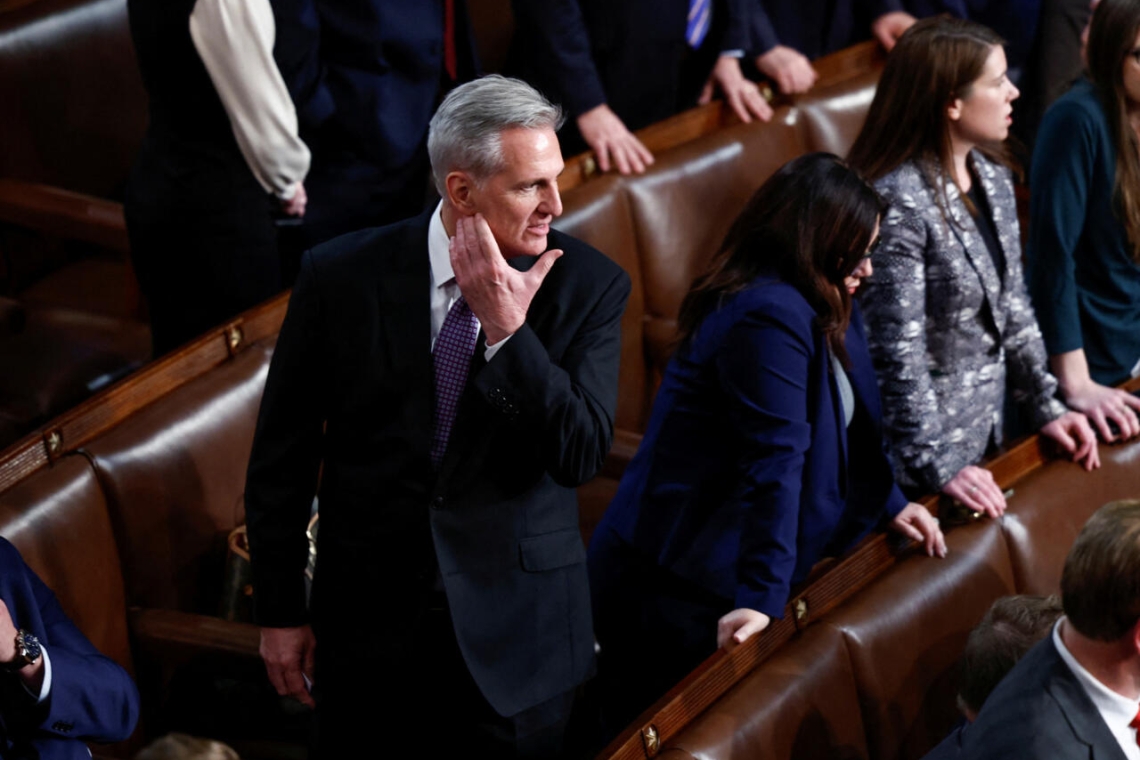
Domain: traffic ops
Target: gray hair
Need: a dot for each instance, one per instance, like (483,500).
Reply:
(465,132)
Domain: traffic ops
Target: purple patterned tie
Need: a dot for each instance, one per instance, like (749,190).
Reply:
(697,24)
(452,352)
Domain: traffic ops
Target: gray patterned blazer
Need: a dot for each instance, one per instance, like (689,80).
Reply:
(944,331)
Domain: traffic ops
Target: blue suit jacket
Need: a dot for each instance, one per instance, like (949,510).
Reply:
(365,76)
(746,476)
(814,27)
(91,697)
(1040,710)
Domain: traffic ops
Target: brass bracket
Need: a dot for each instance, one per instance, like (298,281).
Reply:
(651,739)
(53,442)
(234,338)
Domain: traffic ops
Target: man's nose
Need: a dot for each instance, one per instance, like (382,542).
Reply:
(552,203)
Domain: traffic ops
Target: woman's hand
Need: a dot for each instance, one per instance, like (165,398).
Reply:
(738,625)
(1103,404)
(975,488)
(1072,432)
(917,523)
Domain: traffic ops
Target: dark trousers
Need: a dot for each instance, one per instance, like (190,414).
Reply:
(422,702)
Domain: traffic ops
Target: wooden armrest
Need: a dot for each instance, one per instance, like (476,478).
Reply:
(161,631)
(62,213)
(621,452)
(12,316)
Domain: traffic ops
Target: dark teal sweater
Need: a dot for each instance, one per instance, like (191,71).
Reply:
(1084,282)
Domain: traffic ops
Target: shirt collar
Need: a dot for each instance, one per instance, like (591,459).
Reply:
(439,250)
(1116,708)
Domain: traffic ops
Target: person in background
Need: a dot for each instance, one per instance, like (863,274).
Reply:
(764,452)
(1010,628)
(619,65)
(220,159)
(366,76)
(1084,240)
(56,690)
(182,747)
(949,321)
(1076,694)
(814,28)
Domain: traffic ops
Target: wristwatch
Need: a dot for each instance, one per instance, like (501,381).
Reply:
(27,652)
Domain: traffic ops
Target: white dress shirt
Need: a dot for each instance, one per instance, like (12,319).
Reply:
(234,39)
(444,289)
(1116,710)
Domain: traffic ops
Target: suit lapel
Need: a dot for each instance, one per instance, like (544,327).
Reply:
(962,224)
(405,317)
(1085,720)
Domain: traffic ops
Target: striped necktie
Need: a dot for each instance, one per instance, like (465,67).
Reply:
(697,26)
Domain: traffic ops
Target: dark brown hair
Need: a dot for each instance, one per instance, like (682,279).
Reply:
(809,224)
(1112,36)
(1009,629)
(1100,585)
(935,61)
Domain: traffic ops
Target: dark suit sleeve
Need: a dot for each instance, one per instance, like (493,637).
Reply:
(560,30)
(761,34)
(297,52)
(285,460)
(568,405)
(764,370)
(91,695)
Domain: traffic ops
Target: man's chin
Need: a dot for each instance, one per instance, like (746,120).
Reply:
(535,246)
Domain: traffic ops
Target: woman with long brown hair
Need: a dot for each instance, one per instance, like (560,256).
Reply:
(1084,240)
(764,451)
(949,322)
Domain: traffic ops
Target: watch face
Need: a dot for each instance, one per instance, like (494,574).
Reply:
(30,647)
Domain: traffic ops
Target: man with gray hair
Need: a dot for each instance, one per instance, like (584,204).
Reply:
(448,380)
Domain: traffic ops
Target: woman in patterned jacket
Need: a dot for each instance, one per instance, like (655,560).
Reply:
(949,322)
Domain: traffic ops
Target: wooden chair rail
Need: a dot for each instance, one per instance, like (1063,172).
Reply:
(108,408)
(159,632)
(62,213)
(702,120)
(829,586)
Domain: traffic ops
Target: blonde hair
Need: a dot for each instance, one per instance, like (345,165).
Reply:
(183,747)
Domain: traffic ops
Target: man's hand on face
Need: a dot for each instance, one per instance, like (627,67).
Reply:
(497,294)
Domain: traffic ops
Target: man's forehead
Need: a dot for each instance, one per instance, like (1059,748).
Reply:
(536,149)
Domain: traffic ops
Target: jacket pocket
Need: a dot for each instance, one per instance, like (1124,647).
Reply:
(552,550)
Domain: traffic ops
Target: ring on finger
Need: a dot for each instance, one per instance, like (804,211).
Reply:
(973,488)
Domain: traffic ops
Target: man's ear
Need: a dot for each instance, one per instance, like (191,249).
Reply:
(461,192)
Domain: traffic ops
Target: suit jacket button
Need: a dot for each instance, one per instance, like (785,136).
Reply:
(437,502)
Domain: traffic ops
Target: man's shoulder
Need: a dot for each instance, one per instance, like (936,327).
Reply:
(1024,716)
(352,256)
(584,257)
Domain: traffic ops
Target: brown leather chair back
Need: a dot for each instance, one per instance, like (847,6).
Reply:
(683,206)
(1049,508)
(174,474)
(802,703)
(58,520)
(74,105)
(832,115)
(905,633)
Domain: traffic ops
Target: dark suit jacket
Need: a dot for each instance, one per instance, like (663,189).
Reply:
(1040,710)
(365,76)
(814,27)
(500,517)
(627,53)
(91,697)
(745,477)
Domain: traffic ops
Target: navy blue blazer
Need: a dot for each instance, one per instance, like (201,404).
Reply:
(747,474)
(814,27)
(1040,710)
(91,697)
(365,76)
